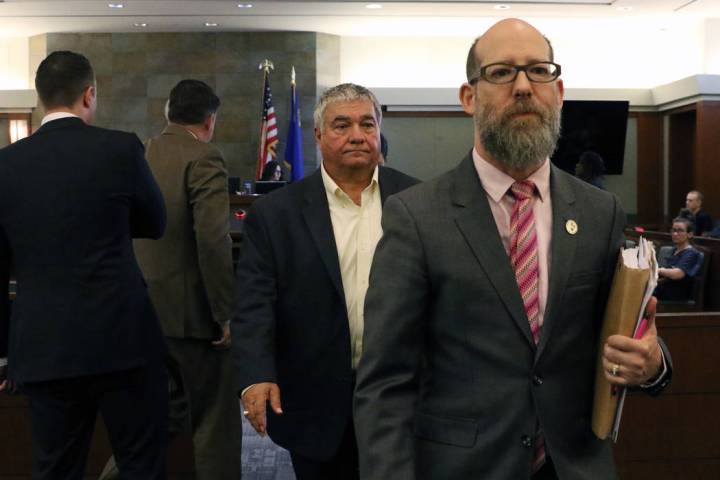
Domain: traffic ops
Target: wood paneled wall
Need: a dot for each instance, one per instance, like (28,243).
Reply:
(677,435)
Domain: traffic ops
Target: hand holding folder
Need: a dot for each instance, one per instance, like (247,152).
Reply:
(634,281)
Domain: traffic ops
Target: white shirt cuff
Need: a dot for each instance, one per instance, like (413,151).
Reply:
(660,377)
(3,362)
(242,394)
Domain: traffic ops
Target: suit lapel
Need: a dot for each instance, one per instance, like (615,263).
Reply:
(562,250)
(477,225)
(316,213)
(387,185)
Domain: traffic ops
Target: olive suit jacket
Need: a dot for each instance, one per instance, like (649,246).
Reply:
(451,384)
(189,271)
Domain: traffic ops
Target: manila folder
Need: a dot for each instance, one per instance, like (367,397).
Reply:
(621,314)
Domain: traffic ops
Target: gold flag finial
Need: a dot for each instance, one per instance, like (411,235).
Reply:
(266,65)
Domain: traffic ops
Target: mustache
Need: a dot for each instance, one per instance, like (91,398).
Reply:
(523,106)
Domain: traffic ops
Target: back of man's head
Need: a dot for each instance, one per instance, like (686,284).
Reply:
(62,77)
(191,102)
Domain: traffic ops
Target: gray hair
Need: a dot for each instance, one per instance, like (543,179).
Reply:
(345,92)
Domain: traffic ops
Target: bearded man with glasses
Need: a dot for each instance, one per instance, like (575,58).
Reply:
(487,293)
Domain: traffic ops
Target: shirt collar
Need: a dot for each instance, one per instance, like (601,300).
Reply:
(56,116)
(332,188)
(496,183)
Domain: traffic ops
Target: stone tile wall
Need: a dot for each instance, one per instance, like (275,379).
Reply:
(135,72)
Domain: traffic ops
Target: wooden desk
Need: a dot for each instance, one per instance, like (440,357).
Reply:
(242,200)
(676,436)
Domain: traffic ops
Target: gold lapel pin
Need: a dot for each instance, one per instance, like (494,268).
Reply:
(571,227)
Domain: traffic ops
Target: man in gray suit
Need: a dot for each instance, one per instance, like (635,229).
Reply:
(487,294)
(190,278)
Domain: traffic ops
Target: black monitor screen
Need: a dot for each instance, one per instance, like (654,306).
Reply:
(267,186)
(599,126)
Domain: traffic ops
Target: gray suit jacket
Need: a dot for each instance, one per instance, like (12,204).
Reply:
(451,384)
(189,270)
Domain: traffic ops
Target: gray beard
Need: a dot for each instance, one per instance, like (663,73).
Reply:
(518,144)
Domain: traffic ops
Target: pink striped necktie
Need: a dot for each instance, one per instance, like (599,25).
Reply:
(524,259)
(524,251)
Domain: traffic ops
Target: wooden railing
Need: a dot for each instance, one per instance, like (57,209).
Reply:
(676,436)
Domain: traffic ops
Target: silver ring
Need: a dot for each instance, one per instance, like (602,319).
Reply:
(615,369)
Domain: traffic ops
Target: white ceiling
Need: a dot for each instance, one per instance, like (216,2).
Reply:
(22,18)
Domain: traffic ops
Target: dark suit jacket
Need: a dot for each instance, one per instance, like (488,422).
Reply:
(72,196)
(291,324)
(451,384)
(189,271)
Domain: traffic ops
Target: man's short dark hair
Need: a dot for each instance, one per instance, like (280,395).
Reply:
(698,194)
(62,78)
(688,222)
(191,102)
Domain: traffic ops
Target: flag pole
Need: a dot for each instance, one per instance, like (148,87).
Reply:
(293,146)
(293,92)
(266,66)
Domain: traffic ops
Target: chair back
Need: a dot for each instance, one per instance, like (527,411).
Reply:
(698,273)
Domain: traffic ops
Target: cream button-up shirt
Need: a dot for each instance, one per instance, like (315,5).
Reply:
(357,231)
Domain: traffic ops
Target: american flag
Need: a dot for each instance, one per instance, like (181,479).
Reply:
(268,131)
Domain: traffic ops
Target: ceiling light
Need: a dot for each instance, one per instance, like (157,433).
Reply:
(502,7)
(115,5)
(211,24)
(245,5)
(141,25)
(373,6)
(624,9)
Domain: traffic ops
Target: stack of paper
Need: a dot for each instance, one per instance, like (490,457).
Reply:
(633,284)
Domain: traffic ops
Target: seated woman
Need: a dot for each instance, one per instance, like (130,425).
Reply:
(272,172)
(676,272)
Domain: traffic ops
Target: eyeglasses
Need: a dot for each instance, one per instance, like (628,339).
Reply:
(678,230)
(501,73)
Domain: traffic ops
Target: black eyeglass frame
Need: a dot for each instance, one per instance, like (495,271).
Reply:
(480,75)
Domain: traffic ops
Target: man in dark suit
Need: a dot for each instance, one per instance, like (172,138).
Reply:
(190,277)
(487,293)
(302,277)
(83,335)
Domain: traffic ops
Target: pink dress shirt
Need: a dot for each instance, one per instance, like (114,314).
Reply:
(496,185)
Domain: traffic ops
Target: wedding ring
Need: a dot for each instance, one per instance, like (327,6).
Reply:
(246,412)
(615,369)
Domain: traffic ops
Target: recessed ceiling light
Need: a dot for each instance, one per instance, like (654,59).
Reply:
(502,7)
(245,5)
(211,24)
(140,25)
(624,9)
(373,6)
(115,5)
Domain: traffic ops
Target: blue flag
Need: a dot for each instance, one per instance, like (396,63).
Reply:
(293,148)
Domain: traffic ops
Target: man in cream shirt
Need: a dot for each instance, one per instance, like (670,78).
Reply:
(301,277)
